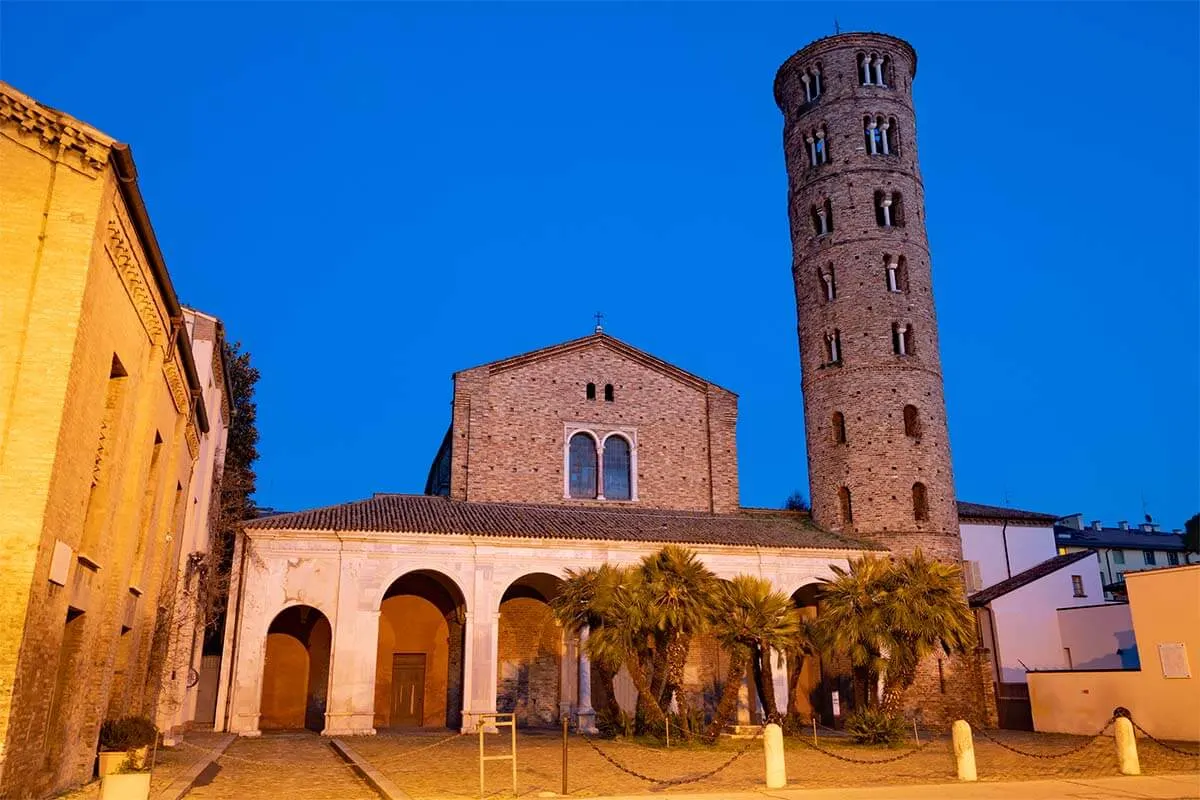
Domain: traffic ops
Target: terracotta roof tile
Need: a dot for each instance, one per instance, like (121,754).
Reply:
(980,511)
(1036,572)
(407,513)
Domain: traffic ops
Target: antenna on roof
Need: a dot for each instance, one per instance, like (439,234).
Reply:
(599,328)
(836,28)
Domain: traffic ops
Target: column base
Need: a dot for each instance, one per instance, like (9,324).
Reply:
(471,722)
(585,722)
(343,724)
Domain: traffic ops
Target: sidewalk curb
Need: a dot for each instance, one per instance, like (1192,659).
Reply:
(378,781)
(179,787)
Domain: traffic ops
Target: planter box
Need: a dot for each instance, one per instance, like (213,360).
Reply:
(111,760)
(125,786)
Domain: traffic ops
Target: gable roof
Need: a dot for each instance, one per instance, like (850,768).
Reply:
(1118,538)
(980,511)
(604,340)
(1036,572)
(422,514)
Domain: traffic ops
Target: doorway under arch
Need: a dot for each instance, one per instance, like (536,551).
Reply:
(807,693)
(419,662)
(296,670)
(529,677)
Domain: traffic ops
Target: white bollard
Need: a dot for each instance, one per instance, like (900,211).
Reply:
(773,749)
(964,751)
(1127,756)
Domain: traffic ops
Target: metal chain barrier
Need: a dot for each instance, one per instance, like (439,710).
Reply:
(1048,756)
(672,781)
(1161,743)
(407,753)
(850,760)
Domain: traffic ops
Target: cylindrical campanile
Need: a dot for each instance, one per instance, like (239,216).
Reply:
(878,449)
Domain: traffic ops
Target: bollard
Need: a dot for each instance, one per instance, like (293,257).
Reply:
(773,748)
(964,751)
(564,769)
(1127,756)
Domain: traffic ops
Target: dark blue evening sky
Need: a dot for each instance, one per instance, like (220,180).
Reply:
(375,195)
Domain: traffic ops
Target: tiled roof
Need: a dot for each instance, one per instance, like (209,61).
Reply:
(1118,537)
(1036,572)
(408,513)
(981,511)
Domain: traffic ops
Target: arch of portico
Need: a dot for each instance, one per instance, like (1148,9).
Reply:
(295,682)
(533,680)
(419,654)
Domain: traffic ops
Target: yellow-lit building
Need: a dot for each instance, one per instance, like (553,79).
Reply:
(100,425)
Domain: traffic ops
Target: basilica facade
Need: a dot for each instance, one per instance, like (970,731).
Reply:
(432,610)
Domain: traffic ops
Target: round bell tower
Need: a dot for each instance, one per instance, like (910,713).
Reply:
(878,447)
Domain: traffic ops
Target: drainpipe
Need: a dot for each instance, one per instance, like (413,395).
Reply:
(1004,537)
(995,643)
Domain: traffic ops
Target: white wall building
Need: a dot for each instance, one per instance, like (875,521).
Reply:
(189,691)
(1122,549)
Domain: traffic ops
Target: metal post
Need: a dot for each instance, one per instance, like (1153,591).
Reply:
(479,725)
(564,771)
(513,722)
(668,719)
(814,730)
(916,735)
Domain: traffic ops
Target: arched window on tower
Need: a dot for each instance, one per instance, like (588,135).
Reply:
(811,78)
(582,466)
(833,348)
(889,209)
(873,69)
(902,339)
(846,507)
(839,428)
(920,503)
(608,393)
(880,134)
(616,469)
(818,146)
(822,217)
(912,422)
(828,283)
(896,272)
(591,391)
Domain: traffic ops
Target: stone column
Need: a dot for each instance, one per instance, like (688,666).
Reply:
(586,714)
(779,680)
(879,71)
(482,667)
(350,709)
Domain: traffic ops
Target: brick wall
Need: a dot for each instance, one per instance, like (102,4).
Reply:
(878,462)
(76,289)
(510,418)
(530,649)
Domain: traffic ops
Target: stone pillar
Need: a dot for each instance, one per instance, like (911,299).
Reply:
(779,680)
(586,714)
(350,709)
(482,667)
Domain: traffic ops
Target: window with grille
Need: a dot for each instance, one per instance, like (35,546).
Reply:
(582,466)
(616,468)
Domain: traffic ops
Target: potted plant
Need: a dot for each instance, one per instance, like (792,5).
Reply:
(129,782)
(127,739)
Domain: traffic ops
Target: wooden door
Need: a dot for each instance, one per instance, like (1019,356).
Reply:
(408,688)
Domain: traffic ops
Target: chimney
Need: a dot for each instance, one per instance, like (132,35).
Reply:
(1074,521)
(1123,524)
(1096,526)
(1147,527)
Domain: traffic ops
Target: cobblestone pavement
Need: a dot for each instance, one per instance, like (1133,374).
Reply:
(284,766)
(431,767)
(169,762)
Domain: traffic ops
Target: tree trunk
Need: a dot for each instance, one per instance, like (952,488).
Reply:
(766,684)
(677,654)
(606,698)
(727,705)
(795,670)
(863,688)
(900,676)
(649,711)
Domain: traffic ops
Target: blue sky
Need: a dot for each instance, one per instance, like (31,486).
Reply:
(375,195)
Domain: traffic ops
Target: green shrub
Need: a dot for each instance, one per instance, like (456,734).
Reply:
(127,733)
(872,726)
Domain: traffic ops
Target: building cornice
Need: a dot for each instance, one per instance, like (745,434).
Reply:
(54,134)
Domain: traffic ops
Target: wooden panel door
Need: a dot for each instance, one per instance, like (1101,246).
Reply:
(408,688)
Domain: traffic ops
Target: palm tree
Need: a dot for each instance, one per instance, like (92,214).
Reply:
(925,609)
(852,620)
(750,619)
(675,589)
(586,598)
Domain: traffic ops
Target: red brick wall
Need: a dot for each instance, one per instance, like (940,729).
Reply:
(530,652)
(509,429)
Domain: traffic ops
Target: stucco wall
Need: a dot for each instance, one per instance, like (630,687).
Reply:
(1164,611)
(1093,634)
(1027,619)
(984,543)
